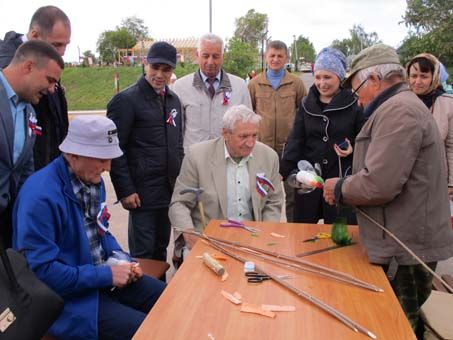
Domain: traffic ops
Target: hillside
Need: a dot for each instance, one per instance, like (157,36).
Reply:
(92,88)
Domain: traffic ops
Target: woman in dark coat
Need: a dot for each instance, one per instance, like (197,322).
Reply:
(328,117)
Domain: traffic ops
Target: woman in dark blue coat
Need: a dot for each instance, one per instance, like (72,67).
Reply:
(328,117)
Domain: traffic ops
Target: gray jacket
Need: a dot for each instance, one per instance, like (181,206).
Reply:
(400,179)
(13,175)
(203,115)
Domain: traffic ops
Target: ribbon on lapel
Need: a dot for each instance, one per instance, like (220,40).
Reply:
(263,185)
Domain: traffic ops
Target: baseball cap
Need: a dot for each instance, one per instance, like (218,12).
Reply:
(92,136)
(374,55)
(162,53)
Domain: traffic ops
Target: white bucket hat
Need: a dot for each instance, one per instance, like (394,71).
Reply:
(92,136)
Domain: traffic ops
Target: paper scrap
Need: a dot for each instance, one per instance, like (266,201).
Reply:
(230,297)
(237,295)
(250,308)
(278,308)
(210,336)
(278,235)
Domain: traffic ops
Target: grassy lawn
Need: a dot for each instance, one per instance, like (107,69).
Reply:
(92,88)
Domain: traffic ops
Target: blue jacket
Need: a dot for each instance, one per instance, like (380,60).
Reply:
(49,229)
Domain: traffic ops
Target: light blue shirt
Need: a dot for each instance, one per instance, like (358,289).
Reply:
(275,77)
(239,201)
(216,84)
(18,112)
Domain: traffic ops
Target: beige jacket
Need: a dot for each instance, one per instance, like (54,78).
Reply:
(443,115)
(204,166)
(400,180)
(277,107)
(202,116)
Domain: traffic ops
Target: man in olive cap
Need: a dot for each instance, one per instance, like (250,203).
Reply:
(148,117)
(399,178)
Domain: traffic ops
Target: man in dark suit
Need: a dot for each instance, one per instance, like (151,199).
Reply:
(49,24)
(32,73)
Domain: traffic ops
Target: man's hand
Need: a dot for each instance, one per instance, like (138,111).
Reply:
(190,240)
(329,187)
(136,271)
(122,274)
(131,202)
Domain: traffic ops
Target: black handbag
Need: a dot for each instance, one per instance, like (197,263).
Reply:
(27,306)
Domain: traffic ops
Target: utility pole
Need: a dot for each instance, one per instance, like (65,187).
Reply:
(295,53)
(210,16)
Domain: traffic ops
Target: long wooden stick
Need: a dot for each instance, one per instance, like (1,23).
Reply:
(294,259)
(406,248)
(301,268)
(322,305)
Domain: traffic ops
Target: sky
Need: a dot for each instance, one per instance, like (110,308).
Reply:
(322,21)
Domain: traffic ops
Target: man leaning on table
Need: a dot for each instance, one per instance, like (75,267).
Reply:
(399,178)
(239,177)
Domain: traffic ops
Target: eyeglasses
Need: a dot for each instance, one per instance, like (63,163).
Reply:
(355,93)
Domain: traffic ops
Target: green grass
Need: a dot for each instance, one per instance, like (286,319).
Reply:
(91,88)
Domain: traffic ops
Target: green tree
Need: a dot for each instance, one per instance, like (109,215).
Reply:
(110,41)
(240,57)
(251,28)
(136,27)
(304,49)
(431,22)
(358,41)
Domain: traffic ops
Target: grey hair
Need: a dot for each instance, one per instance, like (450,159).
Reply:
(385,72)
(239,113)
(212,38)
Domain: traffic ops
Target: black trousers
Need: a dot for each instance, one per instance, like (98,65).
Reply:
(6,227)
(149,233)
(311,207)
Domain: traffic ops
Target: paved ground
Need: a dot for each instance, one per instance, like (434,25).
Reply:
(118,222)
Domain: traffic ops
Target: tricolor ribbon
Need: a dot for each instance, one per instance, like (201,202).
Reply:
(226,97)
(103,219)
(263,185)
(172,117)
(33,126)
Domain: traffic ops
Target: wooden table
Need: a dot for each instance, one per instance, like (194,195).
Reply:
(192,307)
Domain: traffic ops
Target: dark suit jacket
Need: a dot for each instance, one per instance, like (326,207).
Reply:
(51,111)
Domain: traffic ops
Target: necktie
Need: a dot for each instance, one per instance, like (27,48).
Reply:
(211,88)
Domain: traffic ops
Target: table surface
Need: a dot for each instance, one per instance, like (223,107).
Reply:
(192,307)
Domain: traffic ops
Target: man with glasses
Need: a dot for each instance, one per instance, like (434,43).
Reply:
(399,178)
(148,117)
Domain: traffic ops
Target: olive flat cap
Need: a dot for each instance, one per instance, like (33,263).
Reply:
(374,55)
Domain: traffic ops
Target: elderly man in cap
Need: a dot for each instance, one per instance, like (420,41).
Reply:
(148,117)
(399,178)
(61,225)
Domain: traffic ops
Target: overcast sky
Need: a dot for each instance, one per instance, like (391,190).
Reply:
(321,21)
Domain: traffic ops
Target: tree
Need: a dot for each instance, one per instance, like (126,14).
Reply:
(358,41)
(432,24)
(240,57)
(136,27)
(305,50)
(110,41)
(251,28)
(429,15)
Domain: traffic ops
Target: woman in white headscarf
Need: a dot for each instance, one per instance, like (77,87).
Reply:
(424,80)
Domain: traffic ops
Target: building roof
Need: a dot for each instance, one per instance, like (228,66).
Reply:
(178,43)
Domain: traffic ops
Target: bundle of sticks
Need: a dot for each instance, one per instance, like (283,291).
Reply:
(293,263)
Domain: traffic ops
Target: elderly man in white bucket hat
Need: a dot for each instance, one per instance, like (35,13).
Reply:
(61,224)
